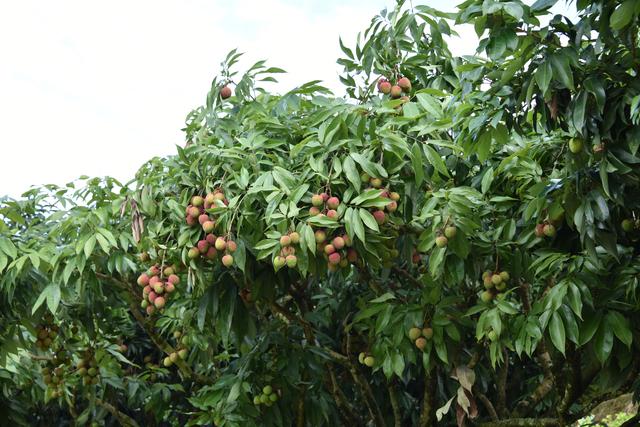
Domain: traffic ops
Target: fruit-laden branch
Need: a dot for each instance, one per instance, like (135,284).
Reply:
(123,419)
(523,422)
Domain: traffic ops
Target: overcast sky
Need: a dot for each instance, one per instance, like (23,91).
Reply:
(97,88)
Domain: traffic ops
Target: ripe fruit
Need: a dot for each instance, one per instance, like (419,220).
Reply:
(332,214)
(414,333)
(334,258)
(392,206)
(173,279)
(549,230)
(211,239)
(313,211)
(295,237)
(209,199)
(225,92)
(352,255)
(338,242)
(486,296)
(394,196)
(421,343)
(232,246)
(441,241)
(169,287)
(193,212)
(427,333)
(221,244)
(150,310)
(405,84)
(627,225)
(292,261)
(316,200)
(143,279)
(146,290)
(540,230)
(380,217)
(369,361)
(320,236)
(203,246)
(285,240)
(450,232)
(376,182)
(208,226)
(333,202)
(396,91)
(384,87)
(159,302)
(347,240)
(329,249)
(575,145)
(227,260)
(212,253)
(197,201)
(158,288)
(193,253)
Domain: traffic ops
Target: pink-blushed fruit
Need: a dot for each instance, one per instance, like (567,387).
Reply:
(211,239)
(292,260)
(143,279)
(208,226)
(154,280)
(384,87)
(288,250)
(191,221)
(539,230)
(232,246)
(197,201)
(332,214)
(227,260)
(154,271)
(193,253)
(392,206)
(218,195)
(333,202)
(352,255)
(150,310)
(338,242)
(169,287)
(334,258)
(193,212)
(173,279)
(347,240)
(316,200)
(329,249)
(159,302)
(203,246)
(209,199)
(202,218)
(146,290)
(320,236)
(549,230)
(158,288)
(295,237)
(376,182)
(380,217)
(313,211)
(441,241)
(225,92)
(285,240)
(396,91)
(212,253)
(152,296)
(325,197)
(394,196)
(405,84)
(221,244)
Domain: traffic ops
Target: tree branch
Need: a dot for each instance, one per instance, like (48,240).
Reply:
(393,398)
(488,405)
(123,419)
(523,422)
(502,387)
(428,413)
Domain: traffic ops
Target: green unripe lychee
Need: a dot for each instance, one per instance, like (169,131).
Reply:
(627,225)
(441,241)
(369,361)
(267,390)
(575,145)
(427,333)
(414,333)
(450,232)
(486,296)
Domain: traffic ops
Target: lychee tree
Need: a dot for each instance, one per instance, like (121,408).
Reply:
(455,243)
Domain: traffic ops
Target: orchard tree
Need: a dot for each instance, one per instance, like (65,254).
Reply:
(454,244)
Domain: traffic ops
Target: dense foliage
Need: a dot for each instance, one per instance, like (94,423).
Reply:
(465,253)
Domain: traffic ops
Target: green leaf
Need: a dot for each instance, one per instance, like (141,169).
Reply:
(556,331)
(383,298)
(89,245)
(603,342)
(358,226)
(621,327)
(417,164)
(51,294)
(541,5)
(350,170)
(562,69)
(543,76)
(622,16)
(436,161)
(487,179)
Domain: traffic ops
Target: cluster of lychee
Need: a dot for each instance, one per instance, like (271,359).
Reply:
(268,396)
(545,229)
(53,378)
(211,246)
(287,254)
(88,369)
(323,205)
(338,251)
(181,352)
(376,183)
(366,359)
(443,236)
(419,336)
(157,284)
(494,282)
(195,212)
(46,332)
(403,85)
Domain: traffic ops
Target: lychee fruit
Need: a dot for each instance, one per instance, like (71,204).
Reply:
(225,92)
(333,202)
(143,279)
(221,244)
(405,84)
(380,217)
(227,260)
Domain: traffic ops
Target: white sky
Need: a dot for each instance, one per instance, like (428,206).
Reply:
(97,88)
